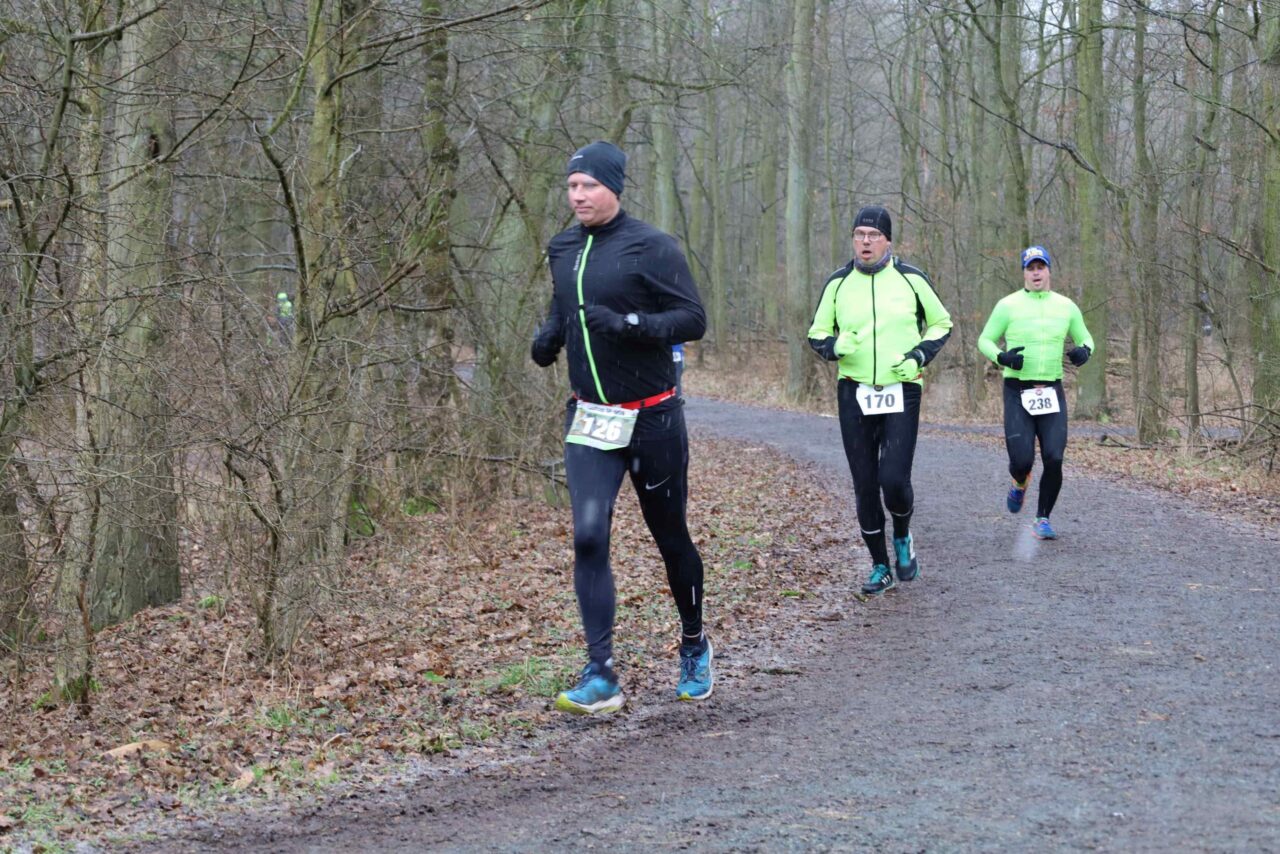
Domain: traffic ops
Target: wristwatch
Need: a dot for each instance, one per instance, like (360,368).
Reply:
(632,319)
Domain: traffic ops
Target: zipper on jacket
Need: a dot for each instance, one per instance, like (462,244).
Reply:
(875,349)
(582,318)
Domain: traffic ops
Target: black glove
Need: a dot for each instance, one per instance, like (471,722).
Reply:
(1079,355)
(1011,358)
(606,321)
(547,342)
(544,351)
(826,348)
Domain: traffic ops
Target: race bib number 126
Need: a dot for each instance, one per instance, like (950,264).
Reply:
(605,427)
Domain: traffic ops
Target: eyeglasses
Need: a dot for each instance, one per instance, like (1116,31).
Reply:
(867,236)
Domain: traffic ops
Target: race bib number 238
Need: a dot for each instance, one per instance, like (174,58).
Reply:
(605,427)
(1041,400)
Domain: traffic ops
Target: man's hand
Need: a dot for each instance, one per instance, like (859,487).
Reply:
(824,347)
(606,321)
(547,342)
(1011,358)
(1079,355)
(846,343)
(544,351)
(908,368)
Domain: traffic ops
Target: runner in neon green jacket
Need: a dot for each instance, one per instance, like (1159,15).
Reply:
(870,319)
(1034,323)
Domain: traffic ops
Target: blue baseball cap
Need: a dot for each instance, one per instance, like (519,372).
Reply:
(1036,253)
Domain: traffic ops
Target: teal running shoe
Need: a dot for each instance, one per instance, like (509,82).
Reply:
(1043,529)
(881,580)
(597,693)
(696,676)
(1017,494)
(905,551)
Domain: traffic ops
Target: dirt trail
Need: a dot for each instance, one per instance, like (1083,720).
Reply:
(1115,689)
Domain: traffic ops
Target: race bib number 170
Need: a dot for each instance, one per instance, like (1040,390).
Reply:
(880,399)
(605,427)
(1041,400)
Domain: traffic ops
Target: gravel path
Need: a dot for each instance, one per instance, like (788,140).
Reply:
(1116,689)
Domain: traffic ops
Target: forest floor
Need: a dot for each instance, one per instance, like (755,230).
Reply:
(1111,690)
(447,643)
(445,647)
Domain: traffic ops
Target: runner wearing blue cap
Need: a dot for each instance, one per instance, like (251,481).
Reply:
(1034,323)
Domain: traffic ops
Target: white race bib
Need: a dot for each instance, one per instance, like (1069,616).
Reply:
(1041,400)
(605,427)
(879,399)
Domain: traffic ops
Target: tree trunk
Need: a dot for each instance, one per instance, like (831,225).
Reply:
(1200,188)
(15,580)
(433,332)
(73,661)
(987,268)
(769,274)
(317,446)
(801,372)
(1266,296)
(135,561)
(1149,401)
(664,14)
(1007,50)
(1090,113)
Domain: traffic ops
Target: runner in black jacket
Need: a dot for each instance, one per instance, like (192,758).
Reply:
(622,295)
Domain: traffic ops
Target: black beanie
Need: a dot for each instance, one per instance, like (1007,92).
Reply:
(874,216)
(603,161)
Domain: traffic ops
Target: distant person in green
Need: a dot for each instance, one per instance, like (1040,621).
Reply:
(881,320)
(284,315)
(1034,323)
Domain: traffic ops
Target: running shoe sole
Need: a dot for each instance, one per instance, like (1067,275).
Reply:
(604,707)
(687,696)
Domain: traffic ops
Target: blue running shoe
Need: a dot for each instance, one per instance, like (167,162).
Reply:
(881,580)
(696,676)
(1017,494)
(905,551)
(1043,529)
(597,693)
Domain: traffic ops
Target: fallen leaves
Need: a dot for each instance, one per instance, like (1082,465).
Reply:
(430,648)
(244,781)
(148,746)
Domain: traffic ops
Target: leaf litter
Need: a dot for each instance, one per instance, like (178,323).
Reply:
(438,645)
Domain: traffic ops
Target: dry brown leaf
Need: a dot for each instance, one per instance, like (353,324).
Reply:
(244,781)
(147,746)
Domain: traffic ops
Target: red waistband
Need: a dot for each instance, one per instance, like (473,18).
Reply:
(641,404)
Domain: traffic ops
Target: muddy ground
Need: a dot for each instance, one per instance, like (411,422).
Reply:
(1113,690)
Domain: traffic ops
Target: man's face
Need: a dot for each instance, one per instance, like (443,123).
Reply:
(593,203)
(1035,276)
(869,244)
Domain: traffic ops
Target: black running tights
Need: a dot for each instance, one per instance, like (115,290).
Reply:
(880,449)
(658,469)
(1021,429)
